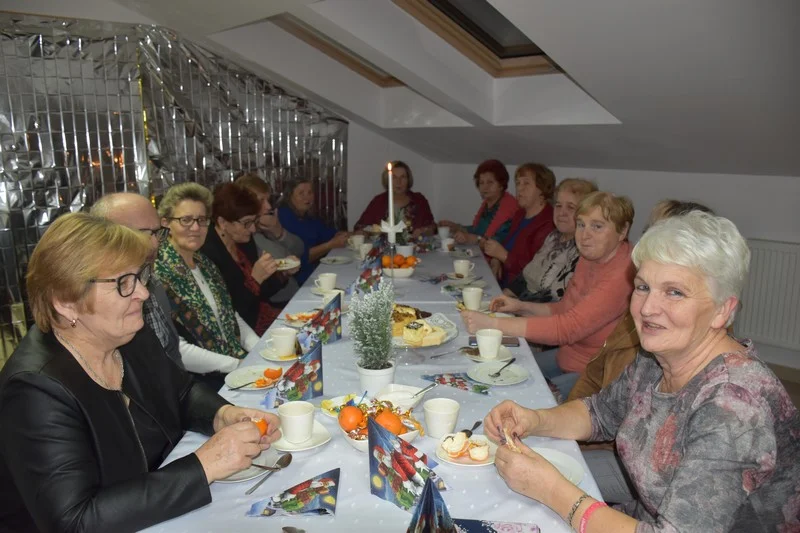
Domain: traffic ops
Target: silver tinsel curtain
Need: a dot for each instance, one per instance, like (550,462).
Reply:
(88,108)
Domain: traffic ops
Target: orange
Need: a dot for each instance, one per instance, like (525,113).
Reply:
(261,424)
(412,259)
(261,383)
(386,261)
(399,260)
(350,417)
(273,373)
(390,421)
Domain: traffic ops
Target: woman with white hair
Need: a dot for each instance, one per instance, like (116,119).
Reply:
(706,432)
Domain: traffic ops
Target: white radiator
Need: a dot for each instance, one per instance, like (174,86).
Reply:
(771,299)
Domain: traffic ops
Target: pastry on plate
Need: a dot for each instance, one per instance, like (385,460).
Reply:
(403,315)
(420,333)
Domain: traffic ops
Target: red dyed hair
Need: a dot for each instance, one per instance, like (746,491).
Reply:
(496,168)
(233,202)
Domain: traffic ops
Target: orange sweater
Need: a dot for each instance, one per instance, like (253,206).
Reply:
(595,300)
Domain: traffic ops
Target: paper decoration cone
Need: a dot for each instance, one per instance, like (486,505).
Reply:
(368,281)
(302,381)
(431,514)
(326,327)
(397,470)
(314,496)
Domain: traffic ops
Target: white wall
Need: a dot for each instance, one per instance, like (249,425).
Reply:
(368,153)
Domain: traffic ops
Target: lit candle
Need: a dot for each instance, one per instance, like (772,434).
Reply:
(391,204)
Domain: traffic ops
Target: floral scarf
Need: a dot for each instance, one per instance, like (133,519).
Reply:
(190,309)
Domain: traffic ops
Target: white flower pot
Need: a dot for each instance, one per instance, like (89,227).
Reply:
(374,381)
(405,249)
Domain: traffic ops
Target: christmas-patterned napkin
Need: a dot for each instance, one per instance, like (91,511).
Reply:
(315,496)
(459,380)
(302,381)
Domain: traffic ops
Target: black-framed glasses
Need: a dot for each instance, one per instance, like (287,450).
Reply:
(126,283)
(160,234)
(187,221)
(247,223)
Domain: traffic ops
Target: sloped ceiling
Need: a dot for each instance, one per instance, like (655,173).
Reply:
(711,86)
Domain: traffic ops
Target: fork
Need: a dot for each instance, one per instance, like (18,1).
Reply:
(242,386)
(497,374)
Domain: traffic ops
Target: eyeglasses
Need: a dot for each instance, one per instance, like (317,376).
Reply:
(247,224)
(160,234)
(187,221)
(126,283)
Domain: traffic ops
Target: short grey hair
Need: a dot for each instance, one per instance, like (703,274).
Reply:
(709,244)
(184,191)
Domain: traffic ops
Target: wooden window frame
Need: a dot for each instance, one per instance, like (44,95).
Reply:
(440,24)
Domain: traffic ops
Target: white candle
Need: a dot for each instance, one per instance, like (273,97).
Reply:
(391,204)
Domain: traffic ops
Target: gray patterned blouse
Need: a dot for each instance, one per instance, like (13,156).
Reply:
(722,454)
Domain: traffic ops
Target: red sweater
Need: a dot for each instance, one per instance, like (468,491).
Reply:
(596,299)
(378,209)
(528,242)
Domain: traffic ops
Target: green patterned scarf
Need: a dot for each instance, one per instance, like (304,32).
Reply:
(191,311)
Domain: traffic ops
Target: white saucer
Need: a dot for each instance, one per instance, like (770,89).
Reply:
(319,436)
(484,307)
(266,458)
(460,254)
(512,375)
(270,354)
(246,374)
(503,354)
(316,291)
(465,279)
(569,467)
(287,263)
(466,461)
(336,260)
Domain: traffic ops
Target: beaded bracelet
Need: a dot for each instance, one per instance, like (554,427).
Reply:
(575,508)
(585,518)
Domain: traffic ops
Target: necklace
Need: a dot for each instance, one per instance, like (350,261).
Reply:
(97,378)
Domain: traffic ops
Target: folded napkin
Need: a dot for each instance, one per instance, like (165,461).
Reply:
(302,381)
(397,470)
(315,496)
(369,280)
(459,380)
(434,279)
(326,326)
(432,515)
(454,288)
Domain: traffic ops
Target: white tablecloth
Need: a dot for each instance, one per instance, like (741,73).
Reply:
(474,492)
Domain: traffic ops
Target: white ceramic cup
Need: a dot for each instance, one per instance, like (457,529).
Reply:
(472,297)
(448,244)
(282,340)
(444,232)
(463,266)
(363,250)
(405,250)
(326,282)
(355,241)
(297,421)
(441,415)
(489,341)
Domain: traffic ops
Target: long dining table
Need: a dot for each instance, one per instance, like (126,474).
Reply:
(473,492)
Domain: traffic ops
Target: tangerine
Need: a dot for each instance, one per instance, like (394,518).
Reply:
(390,421)
(386,261)
(350,417)
(399,260)
(261,383)
(261,424)
(412,260)
(273,373)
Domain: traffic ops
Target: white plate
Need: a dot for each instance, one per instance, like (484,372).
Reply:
(466,461)
(266,458)
(337,402)
(569,467)
(336,260)
(503,354)
(287,263)
(246,374)
(270,354)
(437,319)
(463,279)
(510,376)
(319,436)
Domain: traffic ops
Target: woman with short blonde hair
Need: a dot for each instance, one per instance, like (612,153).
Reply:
(90,405)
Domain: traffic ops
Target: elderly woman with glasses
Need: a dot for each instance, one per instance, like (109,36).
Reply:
(90,406)
(213,337)
(250,278)
(706,432)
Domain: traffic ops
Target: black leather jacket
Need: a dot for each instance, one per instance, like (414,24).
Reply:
(70,457)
